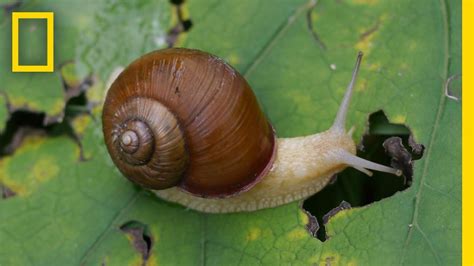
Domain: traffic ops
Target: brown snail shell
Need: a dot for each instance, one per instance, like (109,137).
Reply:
(181,117)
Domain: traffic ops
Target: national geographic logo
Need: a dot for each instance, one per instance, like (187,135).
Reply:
(49,67)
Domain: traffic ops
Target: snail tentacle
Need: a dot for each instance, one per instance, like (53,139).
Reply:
(339,123)
(338,127)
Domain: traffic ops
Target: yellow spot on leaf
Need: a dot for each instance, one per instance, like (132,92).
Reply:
(30,143)
(415,133)
(57,107)
(314,16)
(20,101)
(352,263)
(45,169)
(374,67)
(367,35)
(136,260)
(297,233)
(366,2)
(412,45)
(7,181)
(96,92)
(365,44)
(313,260)
(253,234)
(330,259)
(181,39)
(82,21)
(152,260)
(174,15)
(80,123)
(403,66)
(301,99)
(185,10)
(233,59)
(304,218)
(174,20)
(362,85)
(129,238)
(399,119)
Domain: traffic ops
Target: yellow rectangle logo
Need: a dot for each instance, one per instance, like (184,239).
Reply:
(49,67)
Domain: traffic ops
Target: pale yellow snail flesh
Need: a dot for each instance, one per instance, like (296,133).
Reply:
(303,166)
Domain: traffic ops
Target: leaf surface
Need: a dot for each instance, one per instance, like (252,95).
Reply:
(297,56)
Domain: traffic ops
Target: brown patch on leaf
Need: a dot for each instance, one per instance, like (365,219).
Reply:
(401,158)
(6,192)
(75,88)
(183,25)
(21,135)
(328,261)
(140,238)
(312,226)
(370,31)
(8,7)
(344,205)
(417,150)
(312,30)
(75,91)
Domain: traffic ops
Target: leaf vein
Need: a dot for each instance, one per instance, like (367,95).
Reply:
(443,7)
(109,227)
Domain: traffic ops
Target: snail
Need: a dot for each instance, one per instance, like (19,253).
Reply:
(185,124)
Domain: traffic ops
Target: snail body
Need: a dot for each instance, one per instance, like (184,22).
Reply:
(187,125)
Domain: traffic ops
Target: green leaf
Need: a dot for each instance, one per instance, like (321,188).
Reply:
(3,113)
(297,56)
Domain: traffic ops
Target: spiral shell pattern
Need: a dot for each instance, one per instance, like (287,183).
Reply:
(186,118)
(147,143)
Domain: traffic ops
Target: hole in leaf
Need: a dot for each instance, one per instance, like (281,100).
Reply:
(25,122)
(141,237)
(344,205)
(21,123)
(177,2)
(312,226)
(187,24)
(353,188)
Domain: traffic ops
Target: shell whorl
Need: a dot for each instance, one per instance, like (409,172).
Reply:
(147,143)
(201,121)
